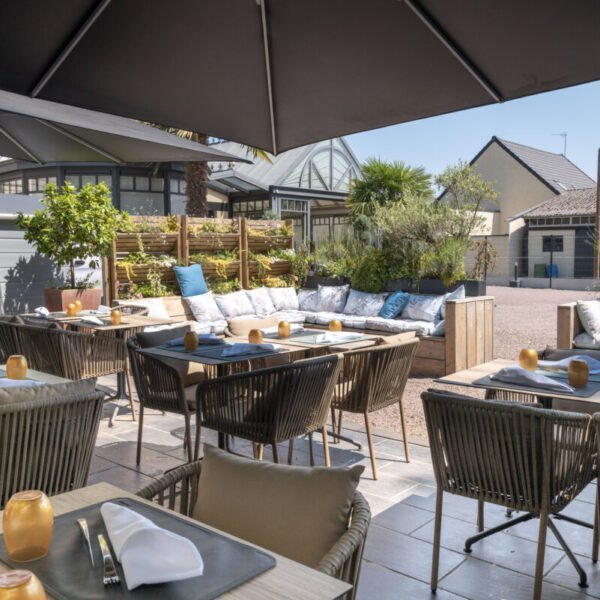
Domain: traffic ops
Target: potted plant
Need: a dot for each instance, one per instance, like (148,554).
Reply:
(74,225)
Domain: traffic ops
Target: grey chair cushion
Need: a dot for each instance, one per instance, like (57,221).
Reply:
(71,389)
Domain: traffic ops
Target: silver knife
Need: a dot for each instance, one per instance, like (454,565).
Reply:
(86,536)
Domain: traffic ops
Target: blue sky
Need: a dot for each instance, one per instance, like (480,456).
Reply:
(439,141)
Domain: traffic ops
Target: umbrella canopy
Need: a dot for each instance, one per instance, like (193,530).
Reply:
(41,131)
(276,74)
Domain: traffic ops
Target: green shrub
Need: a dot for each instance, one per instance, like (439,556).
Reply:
(371,272)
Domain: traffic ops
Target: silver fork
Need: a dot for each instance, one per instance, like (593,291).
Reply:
(110,572)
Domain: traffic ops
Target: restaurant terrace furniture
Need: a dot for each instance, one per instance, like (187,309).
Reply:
(524,458)
(178,490)
(271,405)
(372,379)
(48,434)
(571,328)
(458,336)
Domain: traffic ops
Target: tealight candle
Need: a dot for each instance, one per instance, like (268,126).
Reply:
(528,359)
(16,367)
(71,310)
(190,341)
(335,325)
(579,373)
(284,329)
(255,336)
(21,585)
(78,305)
(115,316)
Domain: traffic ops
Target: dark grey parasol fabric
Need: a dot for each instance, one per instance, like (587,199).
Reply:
(282,73)
(42,131)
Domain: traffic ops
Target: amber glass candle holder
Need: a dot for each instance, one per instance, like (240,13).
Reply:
(528,359)
(255,336)
(71,310)
(21,585)
(28,521)
(335,325)
(16,367)
(78,306)
(579,373)
(284,329)
(190,341)
(115,316)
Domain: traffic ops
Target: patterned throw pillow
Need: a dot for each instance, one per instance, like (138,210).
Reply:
(204,308)
(363,304)
(284,298)
(332,298)
(235,304)
(394,305)
(423,308)
(261,301)
(307,300)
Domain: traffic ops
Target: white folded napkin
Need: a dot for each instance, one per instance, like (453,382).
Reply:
(104,310)
(147,553)
(563,365)
(5,382)
(294,329)
(92,320)
(239,349)
(336,336)
(42,311)
(520,376)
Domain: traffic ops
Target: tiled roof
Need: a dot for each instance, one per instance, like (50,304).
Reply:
(568,204)
(555,169)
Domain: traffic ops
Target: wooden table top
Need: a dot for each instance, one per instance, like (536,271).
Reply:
(127,322)
(286,581)
(470,378)
(299,341)
(38,376)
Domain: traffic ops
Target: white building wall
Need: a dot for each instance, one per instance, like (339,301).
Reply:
(564,260)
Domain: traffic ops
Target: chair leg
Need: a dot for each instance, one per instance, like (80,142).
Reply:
(290,451)
(311,453)
(480,516)
(539,562)
(138,456)
(275,453)
(339,425)
(254,450)
(188,439)
(333,426)
(130,390)
(371,450)
(326,447)
(404,431)
(437,536)
(197,442)
(596,537)
(570,555)
(260,450)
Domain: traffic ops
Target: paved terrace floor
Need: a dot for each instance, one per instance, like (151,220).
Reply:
(397,558)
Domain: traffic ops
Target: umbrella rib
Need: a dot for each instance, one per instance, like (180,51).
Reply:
(17,143)
(69,47)
(450,45)
(80,140)
(263,15)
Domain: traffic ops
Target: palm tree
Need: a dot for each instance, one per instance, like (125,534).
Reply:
(385,182)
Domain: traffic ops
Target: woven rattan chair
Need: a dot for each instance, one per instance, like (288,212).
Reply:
(159,387)
(272,405)
(521,457)
(48,444)
(178,489)
(372,379)
(9,342)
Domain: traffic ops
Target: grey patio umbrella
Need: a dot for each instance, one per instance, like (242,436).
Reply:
(282,73)
(42,131)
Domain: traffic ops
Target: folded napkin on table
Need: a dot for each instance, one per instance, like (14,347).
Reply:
(105,310)
(147,553)
(206,339)
(563,365)
(520,376)
(336,336)
(42,311)
(241,349)
(92,320)
(294,328)
(5,382)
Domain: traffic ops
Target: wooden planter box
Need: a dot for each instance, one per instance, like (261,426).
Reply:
(139,274)
(212,242)
(210,270)
(260,243)
(277,268)
(153,243)
(57,300)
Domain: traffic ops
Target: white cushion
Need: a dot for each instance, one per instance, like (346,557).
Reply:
(204,308)
(307,300)
(364,304)
(585,340)
(310,316)
(324,317)
(420,327)
(261,301)
(423,308)
(440,328)
(458,294)
(332,298)
(284,298)
(291,316)
(353,321)
(234,304)
(156,307)
(589,315)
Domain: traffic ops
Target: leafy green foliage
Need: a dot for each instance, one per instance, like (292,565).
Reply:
(72,225)
(371,272)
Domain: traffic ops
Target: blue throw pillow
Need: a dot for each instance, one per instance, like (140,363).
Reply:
(394,305)
(191,280)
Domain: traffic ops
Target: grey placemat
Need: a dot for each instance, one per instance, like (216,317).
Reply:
(67,574)
(216,353)
(494,384)
(313,337)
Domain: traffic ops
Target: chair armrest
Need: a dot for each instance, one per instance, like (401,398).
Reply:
(568,325)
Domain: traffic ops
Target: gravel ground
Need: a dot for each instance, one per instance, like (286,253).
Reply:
(523,317)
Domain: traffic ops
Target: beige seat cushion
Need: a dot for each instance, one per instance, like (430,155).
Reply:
(71,389)
(191,373)
(241,326)
(299,512)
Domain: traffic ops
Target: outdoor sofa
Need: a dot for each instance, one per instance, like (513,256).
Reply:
(578,325)
(454,332)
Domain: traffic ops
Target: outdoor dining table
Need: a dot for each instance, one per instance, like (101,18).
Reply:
(478,377)
(38,376)
(286,580)
(308,339)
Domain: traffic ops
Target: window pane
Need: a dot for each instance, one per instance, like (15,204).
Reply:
(32,183)
(107,179)
(142,184)
(52,180)
(88,180)
(126,182)
(157,184)
(178,204)
(142,203)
